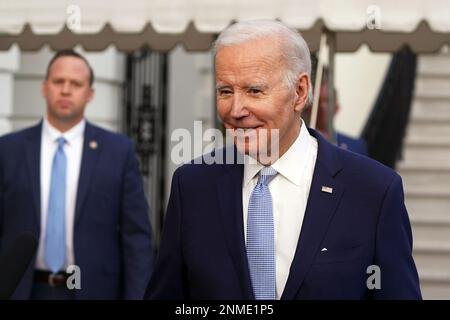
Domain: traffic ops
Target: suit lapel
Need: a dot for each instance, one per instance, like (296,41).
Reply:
(229,190)
(91,150)
(33,159)
(320,209)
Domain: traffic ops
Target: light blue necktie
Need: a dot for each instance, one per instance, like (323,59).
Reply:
(55,241)
(260,238)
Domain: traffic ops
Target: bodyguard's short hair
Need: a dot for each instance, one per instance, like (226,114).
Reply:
(295,51)
(70,53)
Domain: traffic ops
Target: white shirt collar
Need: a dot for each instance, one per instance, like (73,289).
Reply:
(70,135)
(291,164)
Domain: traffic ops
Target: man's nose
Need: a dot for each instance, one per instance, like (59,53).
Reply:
(65,89)
(239,107)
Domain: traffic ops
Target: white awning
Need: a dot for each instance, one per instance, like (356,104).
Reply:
(385,25)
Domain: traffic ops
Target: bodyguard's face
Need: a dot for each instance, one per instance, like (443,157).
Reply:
(67,91)
(253,95)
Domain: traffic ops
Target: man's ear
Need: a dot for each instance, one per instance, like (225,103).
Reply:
(90,94)
(302,89)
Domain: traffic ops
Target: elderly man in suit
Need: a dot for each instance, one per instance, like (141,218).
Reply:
(315,222)
(78,189)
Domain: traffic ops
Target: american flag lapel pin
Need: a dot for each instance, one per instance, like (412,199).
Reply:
(93,145)
(327,189)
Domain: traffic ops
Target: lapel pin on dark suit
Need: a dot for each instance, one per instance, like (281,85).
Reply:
(93,145)
(327,189)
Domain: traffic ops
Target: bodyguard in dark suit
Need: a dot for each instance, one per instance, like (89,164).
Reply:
(78,189)
(316,222)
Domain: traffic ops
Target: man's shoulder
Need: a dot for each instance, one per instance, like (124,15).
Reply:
(359,168)
(215,163)
(354,167)
(19,135)
(109,136)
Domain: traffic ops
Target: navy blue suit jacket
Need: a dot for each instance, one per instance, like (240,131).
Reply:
(112,232)
(363,222)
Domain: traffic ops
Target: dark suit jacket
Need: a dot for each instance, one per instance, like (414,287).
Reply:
(112,233)
(363,222)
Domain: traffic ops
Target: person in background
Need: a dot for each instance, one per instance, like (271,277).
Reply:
(357,145)
(78,189)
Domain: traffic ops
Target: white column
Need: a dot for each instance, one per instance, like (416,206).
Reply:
(9,63)
(191,98)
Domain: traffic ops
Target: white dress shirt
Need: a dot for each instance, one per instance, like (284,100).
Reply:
(290,191)
(73,149)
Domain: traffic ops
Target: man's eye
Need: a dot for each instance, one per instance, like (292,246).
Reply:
(254,91)
(224,92)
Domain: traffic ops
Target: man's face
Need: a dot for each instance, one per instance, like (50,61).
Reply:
(252,93)
(67,90)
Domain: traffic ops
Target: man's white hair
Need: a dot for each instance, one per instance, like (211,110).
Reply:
(295,51)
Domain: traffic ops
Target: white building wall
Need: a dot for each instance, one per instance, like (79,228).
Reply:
(358,79)
(9,63)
